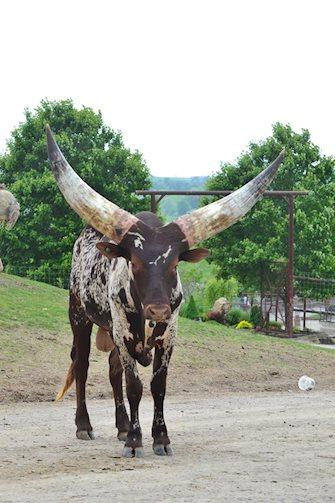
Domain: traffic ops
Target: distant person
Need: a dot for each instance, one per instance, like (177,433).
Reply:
(246,303)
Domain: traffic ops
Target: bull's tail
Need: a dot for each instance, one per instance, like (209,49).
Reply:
(68,382)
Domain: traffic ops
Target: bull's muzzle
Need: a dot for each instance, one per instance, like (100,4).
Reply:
(157,312)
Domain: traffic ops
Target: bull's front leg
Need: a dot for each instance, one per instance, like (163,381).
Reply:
(134,387)
(163,351)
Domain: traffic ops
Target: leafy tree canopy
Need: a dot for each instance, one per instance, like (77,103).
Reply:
(261,237)
(43,237)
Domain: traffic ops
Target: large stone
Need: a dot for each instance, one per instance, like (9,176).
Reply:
(221,305)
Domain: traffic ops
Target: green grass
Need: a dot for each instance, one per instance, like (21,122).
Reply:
(196,330)
(31,304)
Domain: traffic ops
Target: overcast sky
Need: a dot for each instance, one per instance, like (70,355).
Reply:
(189,83)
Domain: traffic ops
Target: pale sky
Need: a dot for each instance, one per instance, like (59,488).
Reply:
(189,83)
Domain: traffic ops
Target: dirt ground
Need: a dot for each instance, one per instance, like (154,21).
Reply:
(270,447)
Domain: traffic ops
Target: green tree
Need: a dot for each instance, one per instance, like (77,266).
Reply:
(256,316)
(43,237)
(259,241)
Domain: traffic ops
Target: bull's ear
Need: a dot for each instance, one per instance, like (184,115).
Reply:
(194,255)
(111,250)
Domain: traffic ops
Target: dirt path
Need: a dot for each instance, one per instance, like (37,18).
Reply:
(260,447)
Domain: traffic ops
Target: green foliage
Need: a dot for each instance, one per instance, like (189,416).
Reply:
(191,310)
(216,288)
(44,235)
(246,325)
(256,316)
(175,206)
(194,278)
(200,281)
(235,315)
(274,325)
(260,238)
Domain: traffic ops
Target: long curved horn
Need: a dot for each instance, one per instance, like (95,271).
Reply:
(95,209)
(215,217)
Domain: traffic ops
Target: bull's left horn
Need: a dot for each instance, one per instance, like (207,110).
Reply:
(96,210)
(215,217)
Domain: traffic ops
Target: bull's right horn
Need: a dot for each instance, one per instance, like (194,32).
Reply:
(205,222)
(96,210)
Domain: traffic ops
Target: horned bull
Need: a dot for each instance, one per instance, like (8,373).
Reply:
(124,279)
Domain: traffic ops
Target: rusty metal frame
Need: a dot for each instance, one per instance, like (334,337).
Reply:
(288,195)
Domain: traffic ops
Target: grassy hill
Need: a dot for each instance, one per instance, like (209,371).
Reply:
(35,342)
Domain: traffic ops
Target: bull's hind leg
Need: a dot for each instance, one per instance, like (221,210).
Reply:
(161,444)
(115,377)
(133,445)
(81,328)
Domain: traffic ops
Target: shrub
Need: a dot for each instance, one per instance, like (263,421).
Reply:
(234,316)
(256,316)
(274,325)
(244,324)
(246,315)
(191,310)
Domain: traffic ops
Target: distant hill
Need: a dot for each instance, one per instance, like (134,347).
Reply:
(174,206)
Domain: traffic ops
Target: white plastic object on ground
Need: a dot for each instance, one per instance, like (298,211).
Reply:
(306,383)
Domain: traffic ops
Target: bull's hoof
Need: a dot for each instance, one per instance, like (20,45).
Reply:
(85,435)
(162,450)
(132,452)
(122,436)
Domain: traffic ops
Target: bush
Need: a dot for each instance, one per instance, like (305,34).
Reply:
(234,316)
(216,288)
(244,324)
(191,310)
(256,316)
(246,315)
(274,325)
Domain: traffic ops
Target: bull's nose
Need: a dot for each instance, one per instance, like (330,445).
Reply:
(157,312)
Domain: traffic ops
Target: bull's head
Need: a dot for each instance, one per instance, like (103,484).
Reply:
(153,250)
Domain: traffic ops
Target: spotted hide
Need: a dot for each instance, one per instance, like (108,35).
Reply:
(104,291)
